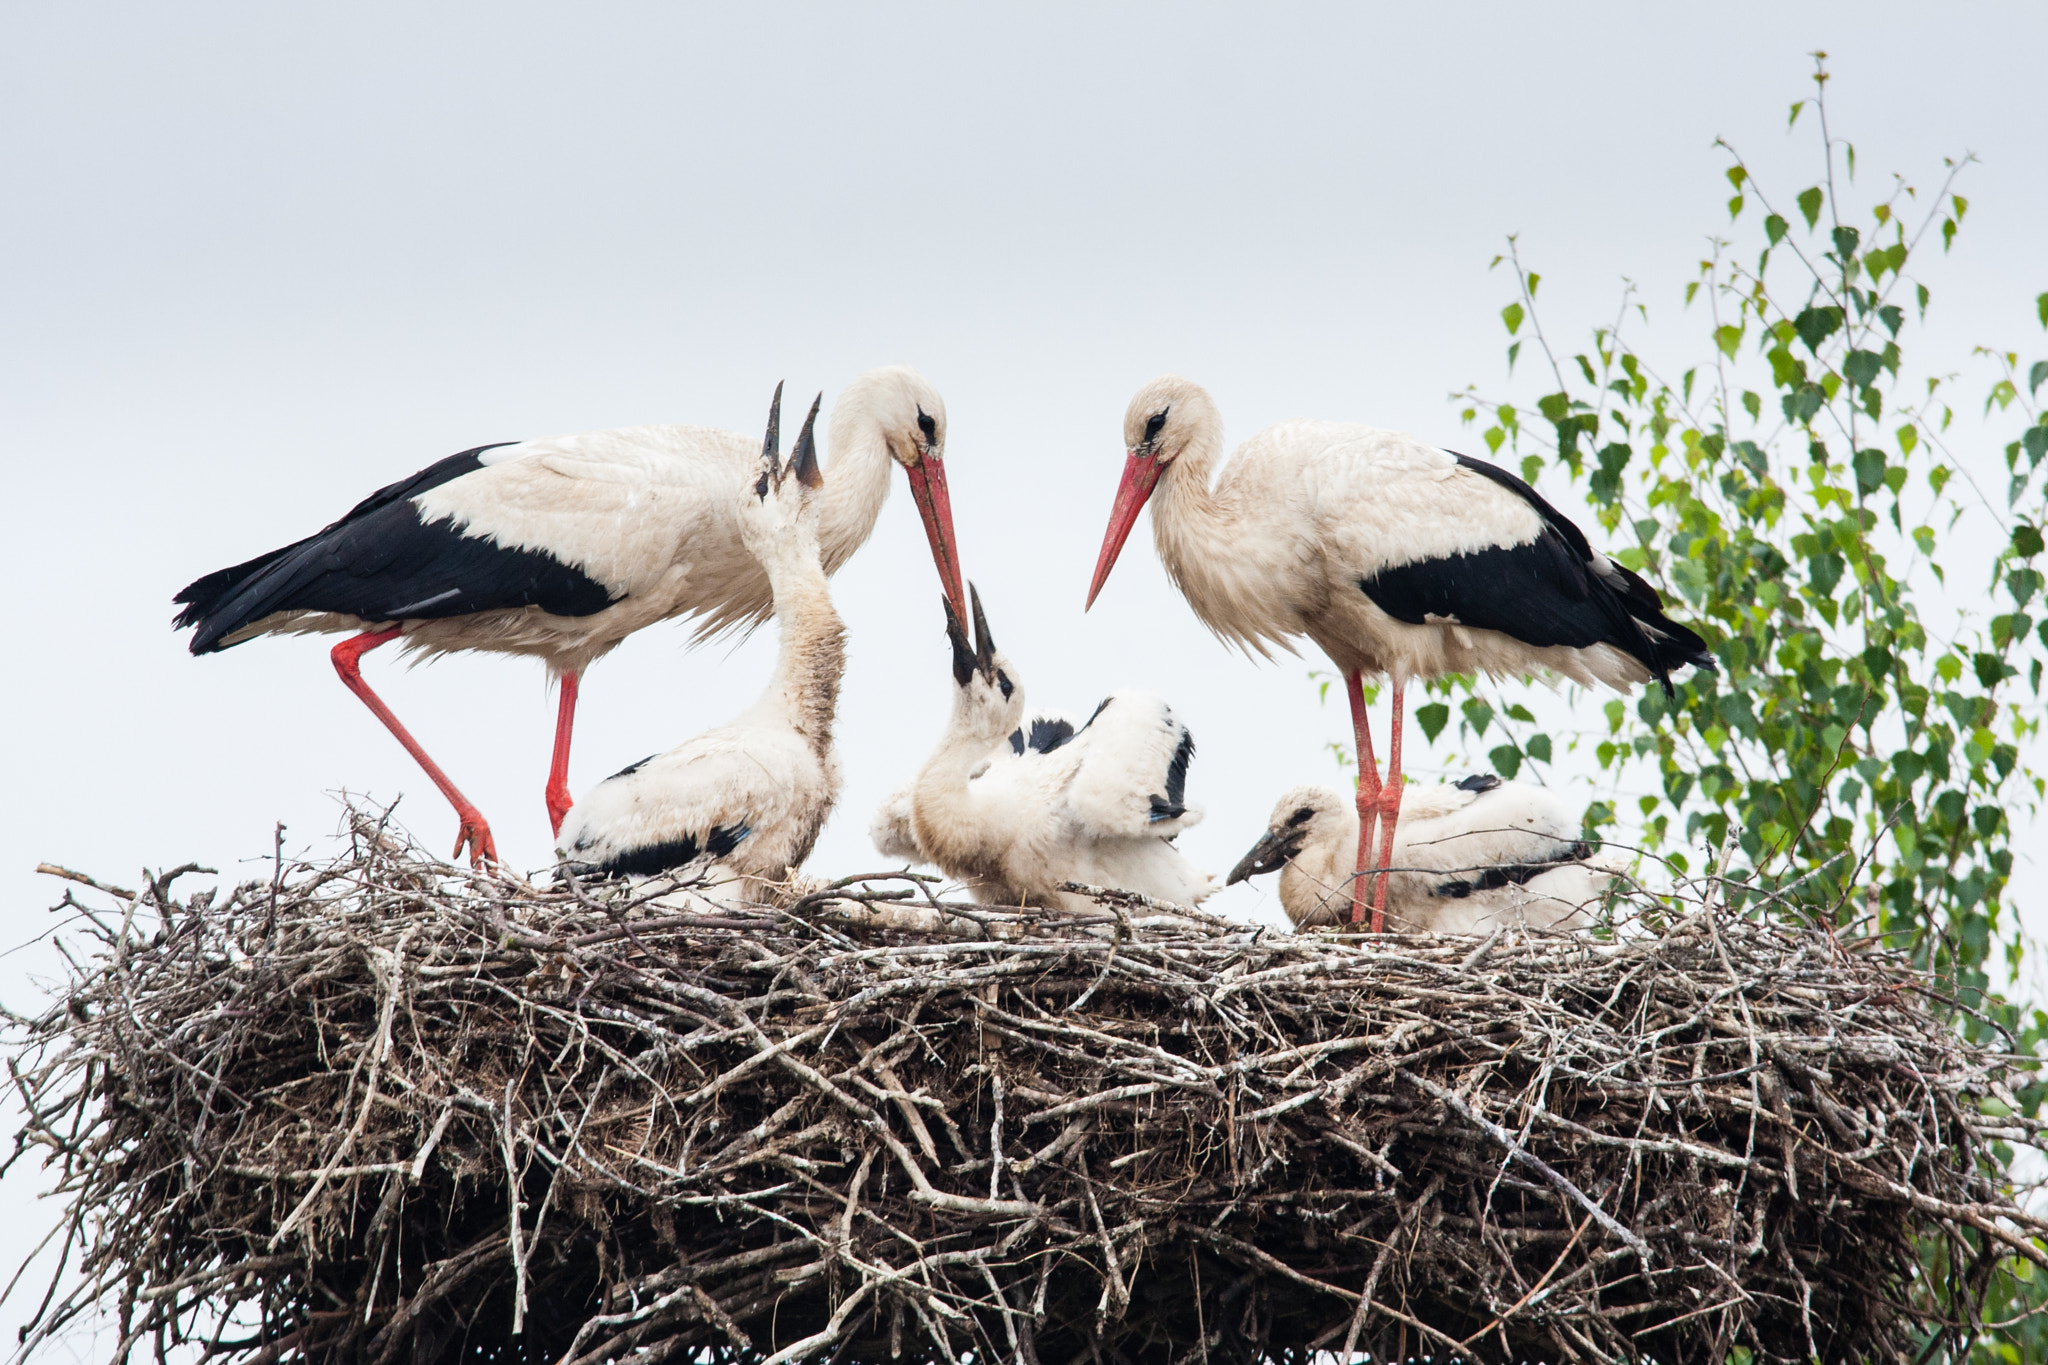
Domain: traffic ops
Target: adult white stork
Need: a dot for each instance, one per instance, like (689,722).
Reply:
(563,547)
(1471,857)
(1099,804)
(749,797)
(1395,557)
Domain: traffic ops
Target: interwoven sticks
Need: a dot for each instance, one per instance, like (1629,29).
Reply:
(384,1110)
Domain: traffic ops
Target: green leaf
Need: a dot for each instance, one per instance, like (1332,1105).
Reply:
(1797,105)
(1809,204)
(1891,315)
(1737,174)
(1752,405)
(2037,375)
(1861,367)
(1774,229)
(1846,239)
(1728,337)
(1869,471)
(1735,207)
(1538,748)
(1512,315)
(2041,308)
(2026,541)
(1507,760)
(1816,325)
(1948,233)
(1432,718)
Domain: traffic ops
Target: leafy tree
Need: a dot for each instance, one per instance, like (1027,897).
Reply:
(1876,612)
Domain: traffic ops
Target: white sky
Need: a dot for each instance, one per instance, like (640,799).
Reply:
(259,260)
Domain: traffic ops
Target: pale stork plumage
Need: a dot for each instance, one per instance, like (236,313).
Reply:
(1471,857)
(1098,804)
(1393,556)
(894,828)
(747,798)
(563,547)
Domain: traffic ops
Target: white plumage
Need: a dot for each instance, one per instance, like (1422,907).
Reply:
(1098,807)
(1394,557)
(748,797)
(1469,858)
(560,548)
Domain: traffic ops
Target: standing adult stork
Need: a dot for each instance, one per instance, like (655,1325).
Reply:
(1393,556)
(748,797)
(561,548)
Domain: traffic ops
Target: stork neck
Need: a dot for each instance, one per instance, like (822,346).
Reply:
(856,483)
(1227,554)
(811,655)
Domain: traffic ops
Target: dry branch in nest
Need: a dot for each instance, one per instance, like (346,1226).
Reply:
(383,1109)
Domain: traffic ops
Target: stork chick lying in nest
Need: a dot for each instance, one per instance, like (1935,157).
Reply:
(1470,858)
(1014,814)
(745,800)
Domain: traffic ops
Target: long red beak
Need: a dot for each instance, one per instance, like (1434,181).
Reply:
(1141,475)
(928,487)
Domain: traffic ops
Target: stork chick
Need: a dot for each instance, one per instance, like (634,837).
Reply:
(747,798)
(1015,821)
(1468,858)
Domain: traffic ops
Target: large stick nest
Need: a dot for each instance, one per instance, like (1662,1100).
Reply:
(383,1109)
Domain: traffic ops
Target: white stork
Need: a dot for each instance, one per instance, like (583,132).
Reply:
(894,827)
(1471,857)
(563,547)
(748,797)
(1395,557)
(1098,804)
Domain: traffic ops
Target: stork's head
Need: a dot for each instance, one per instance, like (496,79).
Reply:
(911,417)
(990,701)
(1168,415)
(782,514)
(1303,816)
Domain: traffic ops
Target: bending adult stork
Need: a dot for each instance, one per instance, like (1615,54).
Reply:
(750,796)
(1471,857)
(1098,805)
(1395,557)
(563,547)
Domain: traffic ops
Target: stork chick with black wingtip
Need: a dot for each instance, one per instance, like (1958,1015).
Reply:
(747,799)
(1098,805)
(1471,857)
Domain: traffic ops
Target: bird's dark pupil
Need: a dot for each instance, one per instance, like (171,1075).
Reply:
(1301,815)
(1003,681)
(1152,427)
(927,426)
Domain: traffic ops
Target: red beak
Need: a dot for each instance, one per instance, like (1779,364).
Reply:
(1141,475)
(928,487)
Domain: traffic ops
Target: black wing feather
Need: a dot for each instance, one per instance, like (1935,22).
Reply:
(1543,593)
(381,562)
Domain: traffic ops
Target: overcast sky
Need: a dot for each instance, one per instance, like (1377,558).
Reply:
(258,260)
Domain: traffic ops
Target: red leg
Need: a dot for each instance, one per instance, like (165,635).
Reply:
(474,832)
(1390,812)
(559,799)
(1368,789)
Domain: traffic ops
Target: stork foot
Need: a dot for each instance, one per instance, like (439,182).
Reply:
(475,835)
(559,802)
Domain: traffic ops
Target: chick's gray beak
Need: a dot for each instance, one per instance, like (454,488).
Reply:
(956,635)
(1269,854)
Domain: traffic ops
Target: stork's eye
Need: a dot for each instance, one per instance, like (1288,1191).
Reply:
(1158,420)
(926,425)
(1003,681)
(1300,817)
